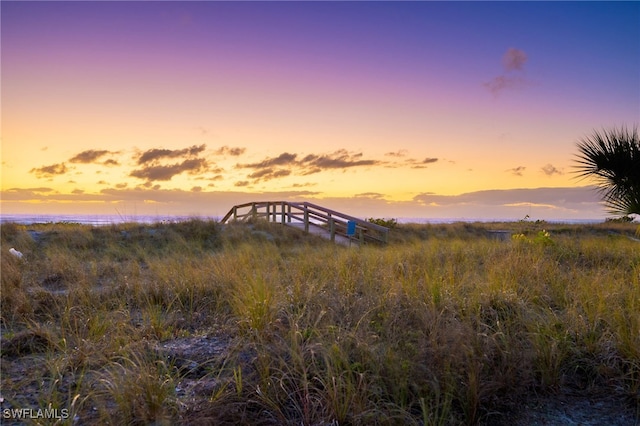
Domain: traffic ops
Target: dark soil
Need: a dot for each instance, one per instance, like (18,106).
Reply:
(568,407)
(200,356)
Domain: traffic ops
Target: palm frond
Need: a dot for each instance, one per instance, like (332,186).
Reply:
(612,159)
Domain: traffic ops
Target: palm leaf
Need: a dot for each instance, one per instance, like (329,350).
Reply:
(612,159)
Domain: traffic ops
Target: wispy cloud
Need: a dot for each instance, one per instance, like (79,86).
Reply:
(415,163)
(283,159)
(372,195)
(165,173)
(225,150)
(340,159)
(551,170)
(269,173)
(517,171)
(156,153)
(50,171)
(303,185)
(514,59)
(88,156)
(405,161)
(399,153)
(513,62)
(288,163)
(92,156)
(26,193)
(504,82)
(156,168)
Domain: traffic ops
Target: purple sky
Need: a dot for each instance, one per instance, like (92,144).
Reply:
(404,109)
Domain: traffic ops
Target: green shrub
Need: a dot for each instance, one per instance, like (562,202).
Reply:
(389,223)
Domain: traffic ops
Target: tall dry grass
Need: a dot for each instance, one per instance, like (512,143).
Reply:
(442,326)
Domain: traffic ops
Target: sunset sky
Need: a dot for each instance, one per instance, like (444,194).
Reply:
(378,109)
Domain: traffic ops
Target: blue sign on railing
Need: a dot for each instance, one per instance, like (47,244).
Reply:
(351,228)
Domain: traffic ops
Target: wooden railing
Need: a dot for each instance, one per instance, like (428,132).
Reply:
(308,214)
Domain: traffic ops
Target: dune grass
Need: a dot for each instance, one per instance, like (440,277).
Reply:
(444,325)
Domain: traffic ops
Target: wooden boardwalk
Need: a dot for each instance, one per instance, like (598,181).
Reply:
(323,232)
(312,218)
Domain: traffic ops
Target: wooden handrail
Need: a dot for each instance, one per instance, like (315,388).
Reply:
(309,214)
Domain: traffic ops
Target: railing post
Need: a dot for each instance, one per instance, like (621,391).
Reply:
(332,228)
(306,219)
(288,212)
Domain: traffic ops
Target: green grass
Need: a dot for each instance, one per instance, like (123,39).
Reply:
(444,325)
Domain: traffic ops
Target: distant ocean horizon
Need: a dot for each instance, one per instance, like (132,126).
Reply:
(104,220)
